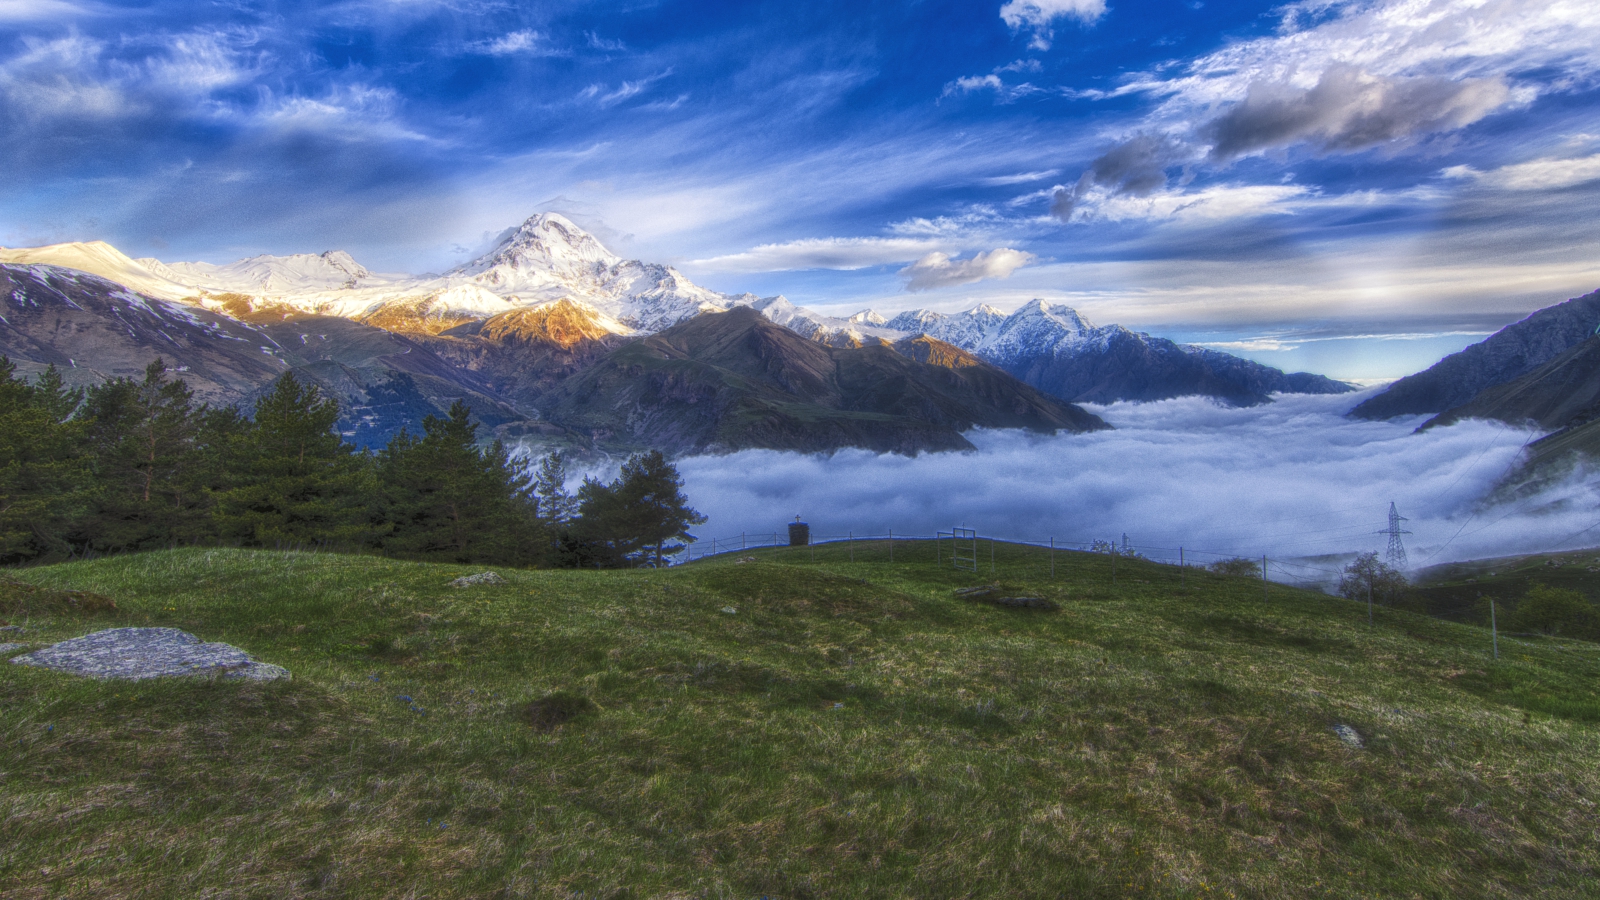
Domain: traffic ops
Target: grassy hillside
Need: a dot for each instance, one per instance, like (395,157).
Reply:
(1461,590)
(850,729)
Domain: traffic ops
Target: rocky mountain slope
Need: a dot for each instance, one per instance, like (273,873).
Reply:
(543,317)
(1509,353)
(548,258)
(735,380)
(1561,393)
(93,329)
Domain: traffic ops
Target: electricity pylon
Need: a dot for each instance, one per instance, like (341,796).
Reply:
(1396,556)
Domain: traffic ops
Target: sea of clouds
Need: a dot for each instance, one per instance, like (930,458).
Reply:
(1293,479)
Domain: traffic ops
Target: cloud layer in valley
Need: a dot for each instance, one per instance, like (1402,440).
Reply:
(1291,479)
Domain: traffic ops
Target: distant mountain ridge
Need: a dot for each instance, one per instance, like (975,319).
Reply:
(1509,353)
(550,337)
(736,381)
(1056,350)
(548,259)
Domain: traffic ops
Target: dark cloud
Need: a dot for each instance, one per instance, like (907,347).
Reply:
(1349,109)
(1137,167)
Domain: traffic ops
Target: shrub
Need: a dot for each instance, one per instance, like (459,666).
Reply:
(1553,611)
(1239,567)
(1370,577)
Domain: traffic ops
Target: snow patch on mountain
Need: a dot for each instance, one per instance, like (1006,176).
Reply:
(102,259)
(300,273)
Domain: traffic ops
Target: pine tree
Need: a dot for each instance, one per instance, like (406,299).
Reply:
(147,486)
(556,507)
(449,500)
(41,468)
(294,482)
(640,514)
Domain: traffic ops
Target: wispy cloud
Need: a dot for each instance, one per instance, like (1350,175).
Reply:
(605,96)
(825,253)
(1534,175)
(43,10)
(1038,17)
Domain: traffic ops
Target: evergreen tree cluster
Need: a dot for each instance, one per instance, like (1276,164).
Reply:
(137,464)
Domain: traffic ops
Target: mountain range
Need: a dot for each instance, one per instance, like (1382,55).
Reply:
(549,315)
(1542,371)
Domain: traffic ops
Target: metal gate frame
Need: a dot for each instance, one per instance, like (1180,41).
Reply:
(964,549)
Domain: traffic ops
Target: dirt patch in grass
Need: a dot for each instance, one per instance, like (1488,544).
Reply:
(18,598)
(553,710)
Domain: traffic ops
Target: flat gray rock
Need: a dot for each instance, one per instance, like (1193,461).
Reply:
(480,578)
(7,648)
(135,654)
(1350,736)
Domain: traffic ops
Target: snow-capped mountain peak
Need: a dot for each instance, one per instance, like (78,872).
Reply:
(545,243)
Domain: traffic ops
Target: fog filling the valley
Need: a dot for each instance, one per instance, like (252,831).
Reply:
(1292,479)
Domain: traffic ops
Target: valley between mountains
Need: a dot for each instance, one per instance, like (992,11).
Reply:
(553,340)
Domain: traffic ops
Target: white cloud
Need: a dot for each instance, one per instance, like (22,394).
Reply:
(937,270)
(513,42)
(1535,175)
(969,83)
(1288,479)
(1039,16)
(1357,74)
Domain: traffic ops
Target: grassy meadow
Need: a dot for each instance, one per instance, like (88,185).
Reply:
(791,724)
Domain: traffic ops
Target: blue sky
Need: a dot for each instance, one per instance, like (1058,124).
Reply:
(1347,187)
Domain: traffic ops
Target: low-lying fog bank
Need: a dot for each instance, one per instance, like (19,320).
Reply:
(1291,479)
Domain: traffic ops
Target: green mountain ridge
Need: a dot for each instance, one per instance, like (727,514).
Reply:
(734,380)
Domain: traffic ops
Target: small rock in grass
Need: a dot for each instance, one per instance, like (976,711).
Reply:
(1350,736)
(480,578)
(135,654)
(8,648)
(730,610)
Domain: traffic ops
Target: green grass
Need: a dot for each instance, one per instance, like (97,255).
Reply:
(852,730)
(1461,590)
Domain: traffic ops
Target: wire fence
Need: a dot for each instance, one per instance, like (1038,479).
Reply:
(1093,558)
(965,548)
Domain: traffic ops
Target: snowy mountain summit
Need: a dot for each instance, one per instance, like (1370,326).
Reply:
(548,260)
(332,270)
(544,248)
